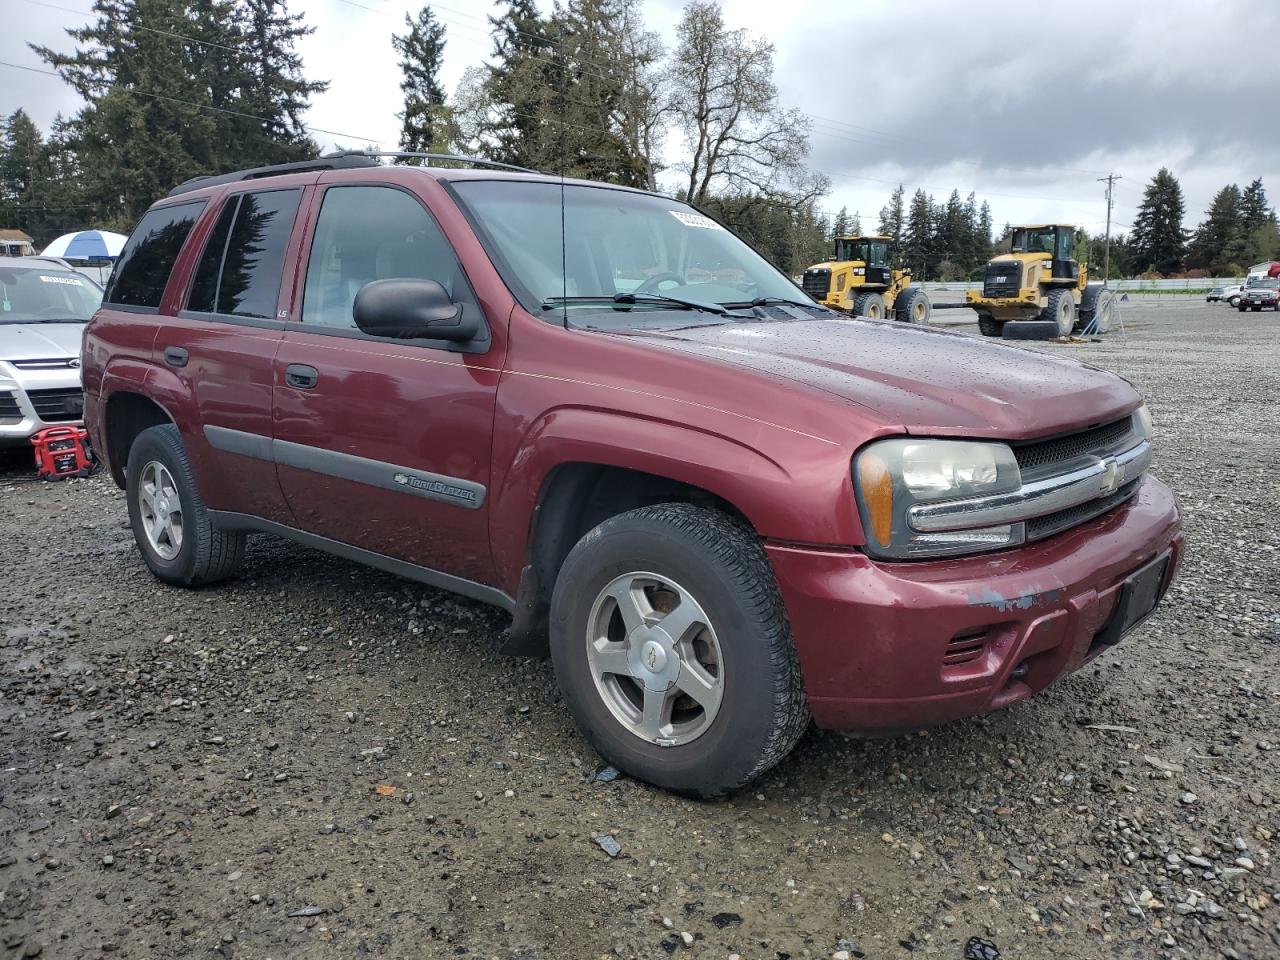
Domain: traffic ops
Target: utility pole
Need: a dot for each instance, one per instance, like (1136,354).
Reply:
(1109,180)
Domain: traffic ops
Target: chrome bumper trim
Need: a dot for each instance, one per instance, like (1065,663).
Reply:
(1099,477)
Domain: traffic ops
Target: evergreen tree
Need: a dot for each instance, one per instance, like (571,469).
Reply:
(917,235)
(951,239)
(179,88)
(855,225)
(1159,242)
(840,225)
(1254,211)
(1222,238)
(981,250)
(272,85)
(421,52)
(893,217)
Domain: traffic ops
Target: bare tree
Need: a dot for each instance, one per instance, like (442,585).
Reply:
(738,135)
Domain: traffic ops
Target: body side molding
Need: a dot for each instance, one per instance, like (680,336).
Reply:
(228,520)
(346,466)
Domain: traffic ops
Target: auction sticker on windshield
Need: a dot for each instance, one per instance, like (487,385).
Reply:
(70,281)
(695,220)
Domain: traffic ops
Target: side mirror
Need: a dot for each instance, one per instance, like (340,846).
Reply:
(412,309)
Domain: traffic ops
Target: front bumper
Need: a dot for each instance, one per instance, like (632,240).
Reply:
(20,418)
(888,647)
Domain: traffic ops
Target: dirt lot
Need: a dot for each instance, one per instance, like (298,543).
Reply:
(322,760)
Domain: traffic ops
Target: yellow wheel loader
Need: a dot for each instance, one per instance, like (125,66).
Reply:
(859,281)
(1040,279)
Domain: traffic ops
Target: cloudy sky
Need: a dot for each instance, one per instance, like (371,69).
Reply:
(1025,106)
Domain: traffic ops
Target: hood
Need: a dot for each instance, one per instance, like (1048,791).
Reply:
(926,380)
(39,341)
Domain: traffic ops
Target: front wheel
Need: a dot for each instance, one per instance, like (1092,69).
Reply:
(170,522)
(1234,301)
(912,305)
(673,650)
(870,305)
(1060,307)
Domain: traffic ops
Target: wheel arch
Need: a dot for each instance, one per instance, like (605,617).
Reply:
(578,467)
(125,415)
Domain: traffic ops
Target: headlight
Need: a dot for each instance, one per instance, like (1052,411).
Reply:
(859,271)
(891,476)
(1142,422)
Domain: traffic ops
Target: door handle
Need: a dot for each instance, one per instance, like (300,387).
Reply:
(301,376)
(176,356)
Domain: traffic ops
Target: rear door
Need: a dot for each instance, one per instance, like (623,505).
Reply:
(221,346)
(384,444)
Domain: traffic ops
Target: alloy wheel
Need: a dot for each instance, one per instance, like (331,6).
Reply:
(655,658)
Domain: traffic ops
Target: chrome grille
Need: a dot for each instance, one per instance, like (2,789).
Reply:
(1096,441)
(1047,526)
(50,363)
(53,406)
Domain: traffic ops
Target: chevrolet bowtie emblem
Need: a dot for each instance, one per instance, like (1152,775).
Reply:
(1112,475)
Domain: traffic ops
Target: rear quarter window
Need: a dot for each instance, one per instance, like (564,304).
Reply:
(142,271)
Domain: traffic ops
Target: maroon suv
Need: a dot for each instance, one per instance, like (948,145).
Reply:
(722,508)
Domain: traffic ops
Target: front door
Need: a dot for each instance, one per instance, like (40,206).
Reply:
(384,444)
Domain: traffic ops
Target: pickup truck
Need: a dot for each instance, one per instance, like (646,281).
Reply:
(722,509)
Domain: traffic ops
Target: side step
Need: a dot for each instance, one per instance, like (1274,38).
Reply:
(1030,330)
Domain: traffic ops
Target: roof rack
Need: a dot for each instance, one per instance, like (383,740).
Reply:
(332,162)
(456,158)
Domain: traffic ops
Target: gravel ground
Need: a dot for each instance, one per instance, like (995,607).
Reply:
(322,760)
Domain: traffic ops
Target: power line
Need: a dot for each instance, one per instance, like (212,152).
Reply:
(1110,180)
(136,26)
(198,106)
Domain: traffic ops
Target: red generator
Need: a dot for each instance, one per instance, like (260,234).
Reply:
(62,452)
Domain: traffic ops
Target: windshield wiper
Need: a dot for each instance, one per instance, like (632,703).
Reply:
(631,299)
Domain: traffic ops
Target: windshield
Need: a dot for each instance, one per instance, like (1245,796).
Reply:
(43,296)
(1266,284)
(868,251)
(1034,240)
(615,242)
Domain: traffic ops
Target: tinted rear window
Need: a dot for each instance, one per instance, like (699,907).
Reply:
(251,269)
(142,271)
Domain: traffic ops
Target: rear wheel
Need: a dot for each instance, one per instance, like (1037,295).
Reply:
(912,305)
(989,325)
(1097,309)
(673,651)
(1234,301)
(869,305)
(171,524)
(1061,309)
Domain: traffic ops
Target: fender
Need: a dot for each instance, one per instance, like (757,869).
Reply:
(777,500)
(131,375)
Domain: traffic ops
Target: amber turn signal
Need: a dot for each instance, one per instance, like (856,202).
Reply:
(876,485)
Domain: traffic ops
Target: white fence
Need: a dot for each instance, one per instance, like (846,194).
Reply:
(1132,285)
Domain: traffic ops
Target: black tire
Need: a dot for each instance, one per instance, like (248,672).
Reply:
(722,564)
(869,305)
(989,326)
(1233,301)
(1241,308)
(912,305)
(207,554)
(1060,309)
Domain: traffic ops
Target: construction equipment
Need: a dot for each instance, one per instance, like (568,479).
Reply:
(858,280)
(1040,280)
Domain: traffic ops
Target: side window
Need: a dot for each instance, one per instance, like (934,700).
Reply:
(142,271)
(372,233)
(239,271)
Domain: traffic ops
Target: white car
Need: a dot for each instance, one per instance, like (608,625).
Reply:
(1229,295)
(44,305)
